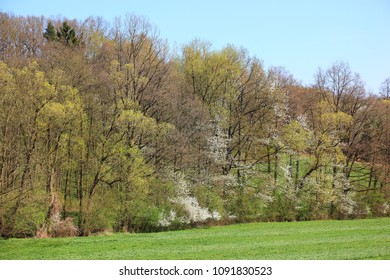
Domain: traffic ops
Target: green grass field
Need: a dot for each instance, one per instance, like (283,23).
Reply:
(316,240)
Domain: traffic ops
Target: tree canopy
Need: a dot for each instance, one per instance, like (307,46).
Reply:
(104,128)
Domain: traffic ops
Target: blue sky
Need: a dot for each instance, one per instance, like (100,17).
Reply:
(300,35)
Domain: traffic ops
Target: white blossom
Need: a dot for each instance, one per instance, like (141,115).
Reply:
(386,208)
(195,212)
(218,144)
(166,220)
(343,197)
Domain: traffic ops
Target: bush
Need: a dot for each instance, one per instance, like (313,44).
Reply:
(65,228)
(101,214)
(138,218)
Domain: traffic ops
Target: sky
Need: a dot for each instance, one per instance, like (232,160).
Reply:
(301,35)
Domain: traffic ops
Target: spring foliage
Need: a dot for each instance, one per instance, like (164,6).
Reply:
(102,129)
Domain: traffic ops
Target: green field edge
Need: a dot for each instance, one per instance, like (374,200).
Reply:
(313,240)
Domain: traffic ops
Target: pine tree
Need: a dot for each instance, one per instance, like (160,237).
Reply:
(50,33)
(67,35)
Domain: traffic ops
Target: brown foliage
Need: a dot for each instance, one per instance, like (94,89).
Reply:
(65,228)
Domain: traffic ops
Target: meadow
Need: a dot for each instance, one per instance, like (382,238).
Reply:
(312,240)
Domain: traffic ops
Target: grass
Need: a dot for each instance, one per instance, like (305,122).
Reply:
(315,240)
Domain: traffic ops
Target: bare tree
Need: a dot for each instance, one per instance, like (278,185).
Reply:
(384,90)
(341,88)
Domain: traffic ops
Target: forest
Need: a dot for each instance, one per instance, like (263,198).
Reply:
(104,128)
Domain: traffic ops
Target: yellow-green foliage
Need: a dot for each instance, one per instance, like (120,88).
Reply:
(131,137)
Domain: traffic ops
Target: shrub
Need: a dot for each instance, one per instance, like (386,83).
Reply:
(65,228)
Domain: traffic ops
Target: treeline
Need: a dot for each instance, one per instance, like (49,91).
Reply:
(104,128)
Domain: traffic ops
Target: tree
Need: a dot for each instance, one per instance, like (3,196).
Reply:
(296,137)
(30,169)
(20,37)
(384,90)
(50,33)
(341,88)
(103,128)
(67,35)
(344,91)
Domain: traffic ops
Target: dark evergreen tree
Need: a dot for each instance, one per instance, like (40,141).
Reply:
(50,33)
(67,35)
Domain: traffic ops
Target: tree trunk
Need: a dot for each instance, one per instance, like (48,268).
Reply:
(276,164)
(297,172)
